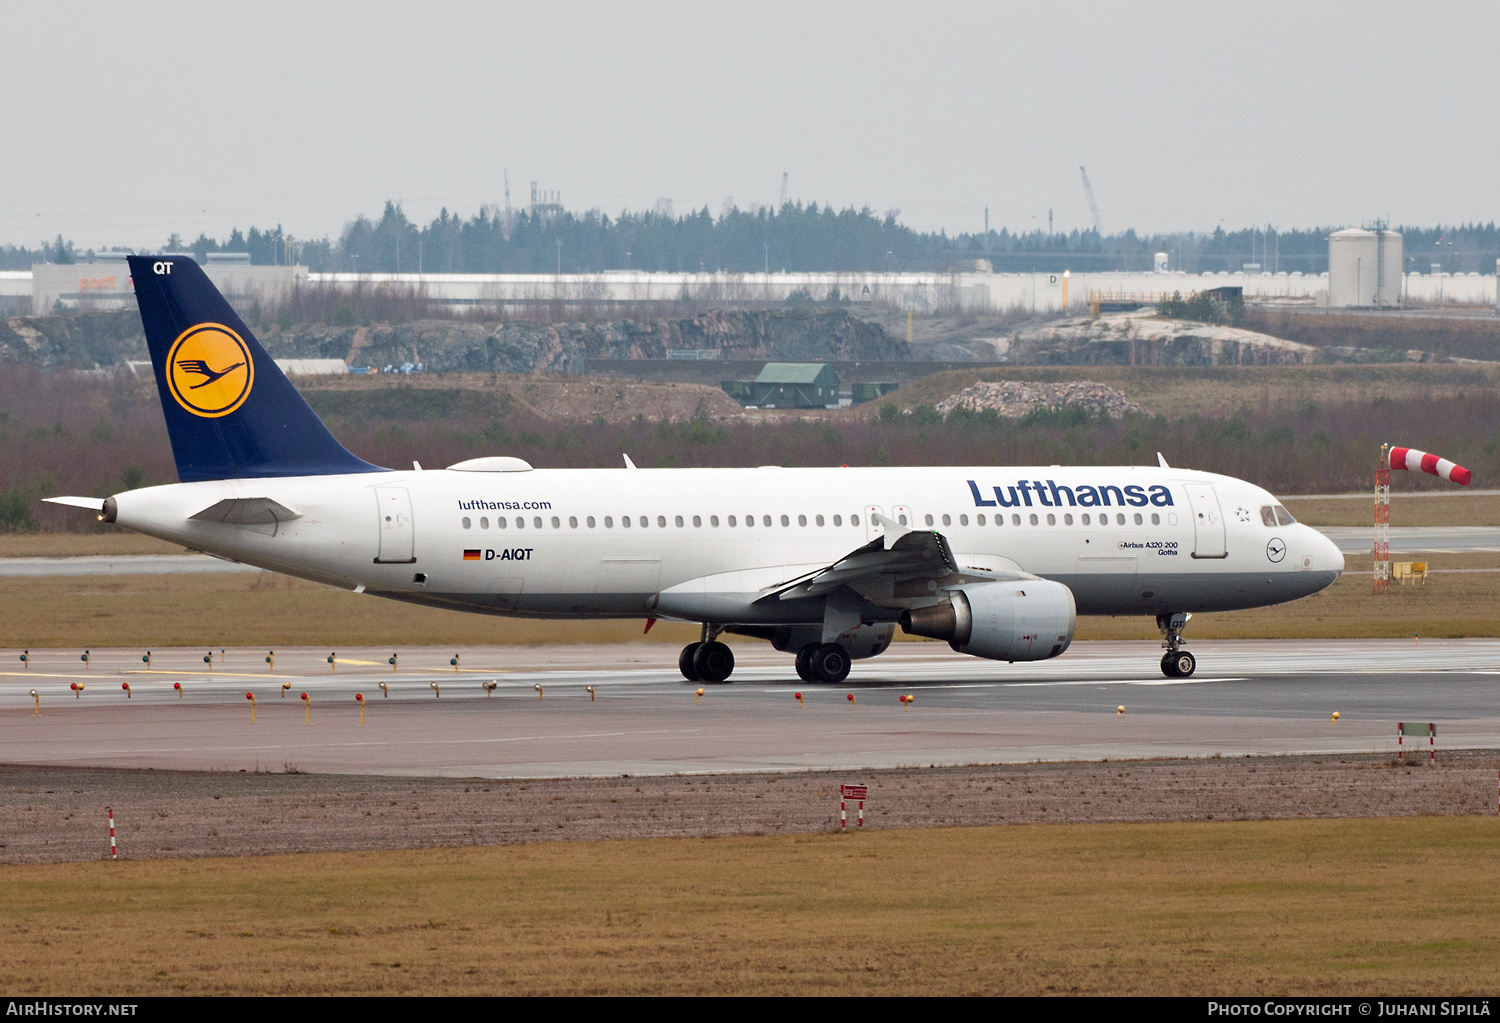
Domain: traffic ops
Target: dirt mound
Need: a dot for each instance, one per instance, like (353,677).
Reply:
(1014,398)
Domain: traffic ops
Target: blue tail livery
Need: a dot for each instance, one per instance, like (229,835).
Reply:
(231,413)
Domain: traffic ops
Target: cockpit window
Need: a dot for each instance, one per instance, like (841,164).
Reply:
(1267,515)
(1284,517)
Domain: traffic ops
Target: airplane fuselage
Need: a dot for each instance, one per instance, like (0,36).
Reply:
(693,543)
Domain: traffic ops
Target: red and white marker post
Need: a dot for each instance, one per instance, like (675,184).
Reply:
(858,793)
(114,853)
(1429,730)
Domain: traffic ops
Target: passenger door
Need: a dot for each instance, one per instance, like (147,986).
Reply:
(1208,522)
(395,522)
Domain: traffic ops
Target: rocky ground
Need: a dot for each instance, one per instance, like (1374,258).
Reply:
(1016,398)
(58,814)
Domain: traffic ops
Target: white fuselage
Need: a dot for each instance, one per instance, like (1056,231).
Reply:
(680,543)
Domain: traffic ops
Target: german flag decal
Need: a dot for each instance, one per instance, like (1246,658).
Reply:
(471,555)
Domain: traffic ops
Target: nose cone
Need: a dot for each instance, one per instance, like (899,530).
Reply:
(1333,558)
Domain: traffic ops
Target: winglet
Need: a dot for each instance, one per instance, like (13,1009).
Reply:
(1161,461)
(893,530)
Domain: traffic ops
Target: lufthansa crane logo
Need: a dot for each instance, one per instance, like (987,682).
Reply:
(209,370)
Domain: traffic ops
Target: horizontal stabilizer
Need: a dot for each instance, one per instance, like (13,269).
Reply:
(93,504)
(247,511)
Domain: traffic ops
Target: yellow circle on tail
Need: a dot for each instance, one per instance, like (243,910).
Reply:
(209,370)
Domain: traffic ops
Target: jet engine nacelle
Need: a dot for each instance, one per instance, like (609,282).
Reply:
(1025,620)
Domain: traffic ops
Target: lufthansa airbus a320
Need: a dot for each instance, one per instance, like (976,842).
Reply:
(824,563)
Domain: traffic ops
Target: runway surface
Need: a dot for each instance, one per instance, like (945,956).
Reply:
(1249,697)
(136,564)
(1412,539)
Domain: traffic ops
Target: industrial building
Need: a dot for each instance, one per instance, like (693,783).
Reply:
(1367,272)
(1365,269)
(788,385)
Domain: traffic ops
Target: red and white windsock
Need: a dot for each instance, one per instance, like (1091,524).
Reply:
(1411,458)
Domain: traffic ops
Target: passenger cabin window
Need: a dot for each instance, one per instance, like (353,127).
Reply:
(467,524)
(1015,520)
(818,519)
(838,520)
(947,520)
(979,519)
(484,522)
(1051,519)
(697,521)
(609,523)
(678,520)
(536,522)
(963,520)
(765,520)
(928,520)
(854,520)
(801,520)
(730,520)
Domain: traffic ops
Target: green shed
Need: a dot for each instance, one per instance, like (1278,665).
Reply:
(795,385)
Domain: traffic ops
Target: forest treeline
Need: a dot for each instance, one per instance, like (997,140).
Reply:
(795,237)
(71,434)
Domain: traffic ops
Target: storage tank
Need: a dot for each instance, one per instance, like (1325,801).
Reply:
(1159,263)
(1364,268)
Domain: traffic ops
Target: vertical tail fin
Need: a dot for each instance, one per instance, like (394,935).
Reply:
(231,413)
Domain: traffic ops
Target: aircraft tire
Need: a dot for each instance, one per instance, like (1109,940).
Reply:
(830,663)
(685,662)
(1184,664)
(1168,665)
(713,662)
(804,662)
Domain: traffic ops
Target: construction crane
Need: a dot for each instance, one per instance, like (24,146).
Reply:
(1088,191)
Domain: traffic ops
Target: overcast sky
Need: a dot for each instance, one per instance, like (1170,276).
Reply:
(126,122)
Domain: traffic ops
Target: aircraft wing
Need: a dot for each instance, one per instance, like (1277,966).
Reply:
(901,555)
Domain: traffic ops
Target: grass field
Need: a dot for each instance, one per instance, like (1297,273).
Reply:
(1268,907)
(1457,509)
(255,610)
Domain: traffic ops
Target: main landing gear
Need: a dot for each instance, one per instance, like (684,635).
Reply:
(707,660)
(823,662)
(1176,662)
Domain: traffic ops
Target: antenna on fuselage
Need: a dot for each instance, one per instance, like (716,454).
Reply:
(628,463)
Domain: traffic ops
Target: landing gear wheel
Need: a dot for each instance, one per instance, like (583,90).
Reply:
(830,663)
(1179,664)
(804,662)
(713,662)
(685,661)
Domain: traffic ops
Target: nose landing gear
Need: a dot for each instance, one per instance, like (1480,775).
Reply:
(1176,662)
